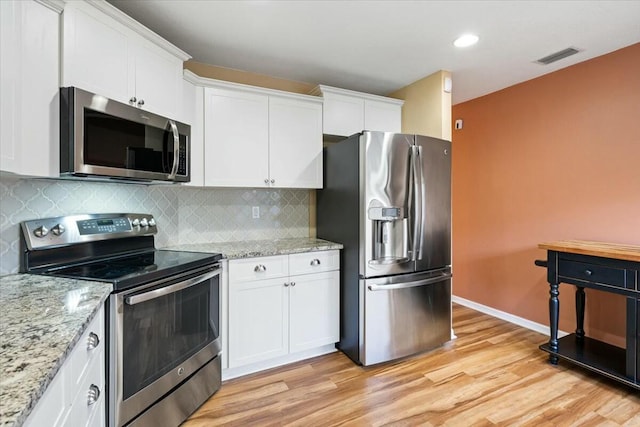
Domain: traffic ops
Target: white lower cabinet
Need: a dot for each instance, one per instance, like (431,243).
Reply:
(281,306)
(76,396)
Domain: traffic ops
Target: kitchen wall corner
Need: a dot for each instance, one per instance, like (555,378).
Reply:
(184,214)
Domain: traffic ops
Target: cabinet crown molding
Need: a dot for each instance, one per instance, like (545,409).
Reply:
(124,19)
(55,5)
(222,84)
(321,90)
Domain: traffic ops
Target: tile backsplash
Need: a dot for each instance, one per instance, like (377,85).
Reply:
(184,214)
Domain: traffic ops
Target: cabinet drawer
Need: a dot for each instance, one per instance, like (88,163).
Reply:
(314,262)
(242,270)
(83,413)
(89,347)
(593,273)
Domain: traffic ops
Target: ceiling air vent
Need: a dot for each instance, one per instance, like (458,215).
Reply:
(557,56)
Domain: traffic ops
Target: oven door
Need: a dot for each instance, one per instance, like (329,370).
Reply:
(162,334)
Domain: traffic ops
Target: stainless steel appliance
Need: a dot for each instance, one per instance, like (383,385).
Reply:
(164,312)
(104,139)
(387,199)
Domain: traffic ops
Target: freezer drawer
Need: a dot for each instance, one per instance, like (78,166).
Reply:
(404,315)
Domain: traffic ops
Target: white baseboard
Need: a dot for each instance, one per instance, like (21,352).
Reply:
(516,320)
(239,371)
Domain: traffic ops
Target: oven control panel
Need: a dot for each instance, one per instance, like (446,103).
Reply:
(60,231)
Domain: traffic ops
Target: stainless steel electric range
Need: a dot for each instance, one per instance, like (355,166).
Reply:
(164,311)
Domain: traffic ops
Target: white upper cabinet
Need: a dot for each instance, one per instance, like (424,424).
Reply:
(106,52)
(295,143)
(192,114)
(29,88)
(260,137)
(236,150)
(346,112)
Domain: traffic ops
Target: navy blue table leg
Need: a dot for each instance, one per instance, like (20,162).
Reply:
(554,308)
(580,303)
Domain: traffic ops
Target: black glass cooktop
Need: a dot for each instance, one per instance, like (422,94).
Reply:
(133,270)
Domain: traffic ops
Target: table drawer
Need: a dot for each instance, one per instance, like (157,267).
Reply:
(269,267)
(594,273)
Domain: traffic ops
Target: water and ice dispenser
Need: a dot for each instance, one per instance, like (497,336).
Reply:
(390,235)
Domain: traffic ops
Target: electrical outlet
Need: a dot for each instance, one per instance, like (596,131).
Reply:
(256,212)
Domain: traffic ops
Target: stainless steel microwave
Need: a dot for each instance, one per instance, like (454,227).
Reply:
(106,139)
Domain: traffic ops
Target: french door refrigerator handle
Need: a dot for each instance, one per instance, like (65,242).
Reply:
(157,293)
(410,284)
(413,199)
(176,149)
(421,203)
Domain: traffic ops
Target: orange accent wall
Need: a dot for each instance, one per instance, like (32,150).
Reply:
(556,157)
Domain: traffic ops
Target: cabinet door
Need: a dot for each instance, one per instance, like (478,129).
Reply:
(192,114)
(382,116)
(343,115)
(236,138)
(96,54)
(314,307)
(158,79)
(258,321)
(29,86)
(295,143)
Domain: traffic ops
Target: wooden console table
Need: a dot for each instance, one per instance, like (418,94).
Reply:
(608,267)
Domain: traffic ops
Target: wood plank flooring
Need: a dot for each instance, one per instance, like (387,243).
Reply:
(492,374)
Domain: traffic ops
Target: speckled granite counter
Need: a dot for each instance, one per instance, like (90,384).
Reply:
(41,320)
(257,248)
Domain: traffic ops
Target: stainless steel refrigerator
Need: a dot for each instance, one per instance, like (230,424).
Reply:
(387,199)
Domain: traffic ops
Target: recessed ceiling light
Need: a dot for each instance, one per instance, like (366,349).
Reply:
(466,40)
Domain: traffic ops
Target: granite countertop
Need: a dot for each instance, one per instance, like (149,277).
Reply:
(42,319)
(258,248)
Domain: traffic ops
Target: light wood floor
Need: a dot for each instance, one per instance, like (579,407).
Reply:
(492,374)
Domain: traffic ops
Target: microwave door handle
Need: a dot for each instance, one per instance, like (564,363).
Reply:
(176,149)
(157,293)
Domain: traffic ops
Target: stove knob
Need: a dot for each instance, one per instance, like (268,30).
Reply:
(135,222)
(58,229)
(152,222)
(144,223)
(41,231)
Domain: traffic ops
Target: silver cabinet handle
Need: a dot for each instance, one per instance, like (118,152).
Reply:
(141,103)
(260,268)
(266,181)
(93,394)
(588,272)
(273,180)
(286,285)
(315,261)
(92,341)
(293,283)
(133,99)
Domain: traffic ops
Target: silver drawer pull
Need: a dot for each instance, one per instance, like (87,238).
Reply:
(93,394)
(315,261)
(286,285)
(259,268)
(92,341)
(588,272)
(293,283)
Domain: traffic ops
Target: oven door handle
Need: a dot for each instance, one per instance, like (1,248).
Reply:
(157,293)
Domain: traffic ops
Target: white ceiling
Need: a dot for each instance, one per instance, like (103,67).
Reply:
(380,46)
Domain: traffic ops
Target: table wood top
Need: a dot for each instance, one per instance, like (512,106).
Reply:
(601,249)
